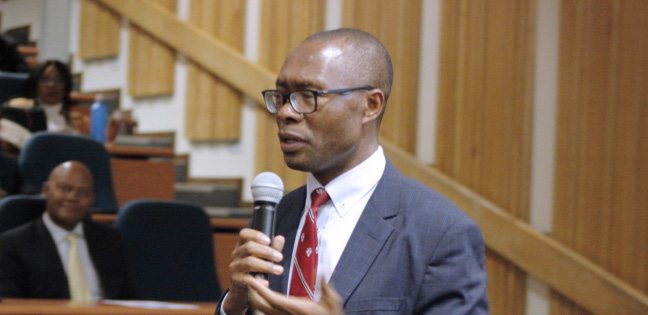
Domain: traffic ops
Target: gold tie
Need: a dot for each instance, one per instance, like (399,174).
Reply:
(76,280)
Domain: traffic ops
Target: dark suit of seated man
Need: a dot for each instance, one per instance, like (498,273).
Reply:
(62,255)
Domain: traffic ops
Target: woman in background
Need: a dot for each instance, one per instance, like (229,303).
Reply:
(51,84)
(49,88)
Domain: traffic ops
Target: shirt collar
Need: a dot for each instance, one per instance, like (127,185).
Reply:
(52,108)
(347,189)
(58,233)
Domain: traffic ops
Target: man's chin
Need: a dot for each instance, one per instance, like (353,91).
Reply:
(294,163)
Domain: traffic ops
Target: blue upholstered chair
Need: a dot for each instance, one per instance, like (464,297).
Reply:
(13,85)
(18,209)
(169,244)
(44,150)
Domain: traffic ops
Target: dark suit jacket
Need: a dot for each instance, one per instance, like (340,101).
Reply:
(412,252)
(30,266)
(10,179)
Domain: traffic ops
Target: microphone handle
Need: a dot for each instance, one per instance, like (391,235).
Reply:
(263,219)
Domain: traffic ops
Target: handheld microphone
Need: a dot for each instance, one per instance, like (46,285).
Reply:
(267,190)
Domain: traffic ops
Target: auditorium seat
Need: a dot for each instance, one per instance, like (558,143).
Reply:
(45,150)
(170,248)
(19,209)
(12,85)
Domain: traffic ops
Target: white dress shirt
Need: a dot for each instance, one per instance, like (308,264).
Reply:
(336,219)
(55,121)
(62,245)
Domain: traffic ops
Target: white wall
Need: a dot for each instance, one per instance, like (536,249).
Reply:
(18,13)
(54,19)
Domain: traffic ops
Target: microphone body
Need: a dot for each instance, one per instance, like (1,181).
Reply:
(267,190)
(263,218)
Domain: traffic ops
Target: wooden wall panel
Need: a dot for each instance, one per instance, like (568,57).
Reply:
(98,31)
(484,117)
(398,25)
(601,182)
(151,64)
(284,24)
(213,107)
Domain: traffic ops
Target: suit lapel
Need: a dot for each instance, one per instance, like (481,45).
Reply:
(370,234)
(289,213)
(48,247)
(97,255)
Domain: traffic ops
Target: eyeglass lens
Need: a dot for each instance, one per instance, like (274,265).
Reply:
(301,101)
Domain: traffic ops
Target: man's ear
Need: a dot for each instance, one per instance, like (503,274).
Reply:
(45,188)
(375,105)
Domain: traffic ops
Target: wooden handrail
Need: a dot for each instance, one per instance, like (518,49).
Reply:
(27,50)
(566,271)
(560,267)
(208,52)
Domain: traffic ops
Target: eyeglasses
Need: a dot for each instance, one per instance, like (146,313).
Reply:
(302,101)
(80,191)
(56,81)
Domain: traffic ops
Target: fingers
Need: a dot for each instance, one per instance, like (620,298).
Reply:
(248,234)
(252,254)
(278,243)
(258,302)
(331,299)
(252,242)
(270,302)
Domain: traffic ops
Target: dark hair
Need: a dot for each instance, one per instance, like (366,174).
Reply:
(66,75)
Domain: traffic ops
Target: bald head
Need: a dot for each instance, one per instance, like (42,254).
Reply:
(69,194)
(366,56)
(72,167)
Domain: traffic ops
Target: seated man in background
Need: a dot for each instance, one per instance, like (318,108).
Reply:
(62,254)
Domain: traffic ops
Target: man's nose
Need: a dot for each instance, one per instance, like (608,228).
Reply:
(287,112)
(73,194)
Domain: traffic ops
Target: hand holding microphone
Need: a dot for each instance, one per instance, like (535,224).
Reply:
(257,250)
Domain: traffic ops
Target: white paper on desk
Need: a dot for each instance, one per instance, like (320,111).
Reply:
(152,304)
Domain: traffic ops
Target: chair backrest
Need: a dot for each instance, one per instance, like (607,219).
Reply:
(45,150)
(12,85)
(19,209)
(169,244)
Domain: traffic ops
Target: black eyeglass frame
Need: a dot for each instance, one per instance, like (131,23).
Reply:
(316,93)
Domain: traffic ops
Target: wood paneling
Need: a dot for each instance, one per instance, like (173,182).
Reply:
(211,53)
(507,235)
(541,256)
(398,25)
(601,182)
(98,31)
(213,108)
(484,117)
(284,24)
(151,64)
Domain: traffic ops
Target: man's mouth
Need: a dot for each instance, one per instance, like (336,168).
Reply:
(290,142)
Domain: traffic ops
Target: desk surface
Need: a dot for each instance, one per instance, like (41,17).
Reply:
(38,306)
(217,223)
(118,150)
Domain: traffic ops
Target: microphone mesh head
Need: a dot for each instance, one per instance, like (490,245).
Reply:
(267,186)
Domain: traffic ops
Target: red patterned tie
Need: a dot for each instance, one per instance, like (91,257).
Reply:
(305,261)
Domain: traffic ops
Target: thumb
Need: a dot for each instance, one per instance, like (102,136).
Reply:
(331,298)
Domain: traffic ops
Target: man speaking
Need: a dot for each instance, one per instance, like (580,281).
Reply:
(359,237)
